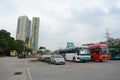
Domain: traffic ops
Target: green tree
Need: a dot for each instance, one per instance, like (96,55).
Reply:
(114,46)
(19,45)
(5,42)
(28,50)
(8,43)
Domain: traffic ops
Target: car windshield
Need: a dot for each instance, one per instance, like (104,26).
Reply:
(47,52)
(104,50)
(84,51)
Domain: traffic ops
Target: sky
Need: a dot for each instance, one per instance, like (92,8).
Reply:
(62,21)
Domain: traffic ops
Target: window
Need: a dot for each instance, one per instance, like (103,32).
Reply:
(97,50)
(104,50)
(84,51)
(91,50)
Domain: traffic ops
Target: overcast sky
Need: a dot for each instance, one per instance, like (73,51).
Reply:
(62,21)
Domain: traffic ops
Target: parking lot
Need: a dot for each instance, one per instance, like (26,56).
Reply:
(109,70)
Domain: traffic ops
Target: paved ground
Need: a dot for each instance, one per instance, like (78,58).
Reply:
(10,65)
(76,71)
(71,71)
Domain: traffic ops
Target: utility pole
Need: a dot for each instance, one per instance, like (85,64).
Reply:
(107,37)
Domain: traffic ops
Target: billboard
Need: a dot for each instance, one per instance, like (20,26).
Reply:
(70,44)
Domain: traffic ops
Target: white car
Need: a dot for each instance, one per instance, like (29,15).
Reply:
(57,59)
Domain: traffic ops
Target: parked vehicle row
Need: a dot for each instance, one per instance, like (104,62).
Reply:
(94,52)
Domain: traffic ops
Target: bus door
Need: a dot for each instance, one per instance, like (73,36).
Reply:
(97,53)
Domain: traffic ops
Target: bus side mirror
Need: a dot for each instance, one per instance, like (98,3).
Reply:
(78,52)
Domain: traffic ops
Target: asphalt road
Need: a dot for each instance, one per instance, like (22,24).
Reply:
(76,71)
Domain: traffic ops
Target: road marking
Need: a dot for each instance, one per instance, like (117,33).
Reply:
(28,74)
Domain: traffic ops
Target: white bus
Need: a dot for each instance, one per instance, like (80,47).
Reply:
(76,54)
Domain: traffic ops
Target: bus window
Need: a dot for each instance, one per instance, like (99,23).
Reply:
(97,50)
(91,50)
(84,51)
(104,50)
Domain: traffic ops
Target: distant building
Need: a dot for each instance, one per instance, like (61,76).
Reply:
(23,29)
(35,33)
(118,41)
(112,41)
(25,33)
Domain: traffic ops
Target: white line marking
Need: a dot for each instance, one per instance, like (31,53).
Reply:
(28,74)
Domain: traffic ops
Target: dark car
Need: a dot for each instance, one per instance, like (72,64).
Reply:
(21,55)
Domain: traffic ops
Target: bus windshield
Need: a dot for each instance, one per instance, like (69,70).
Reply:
(104,50)
(84,51)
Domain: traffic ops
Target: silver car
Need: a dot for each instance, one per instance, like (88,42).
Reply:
(57,59)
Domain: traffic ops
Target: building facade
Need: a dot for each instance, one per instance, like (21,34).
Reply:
(35,33)
(23,29)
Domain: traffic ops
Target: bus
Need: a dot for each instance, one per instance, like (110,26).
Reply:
(76,54)
(114,53)
(44,54)
(99,52)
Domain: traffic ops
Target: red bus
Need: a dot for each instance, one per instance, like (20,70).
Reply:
(99,52)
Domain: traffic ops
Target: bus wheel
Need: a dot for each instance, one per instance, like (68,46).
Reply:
(74,60)
(101,60)
(84,61)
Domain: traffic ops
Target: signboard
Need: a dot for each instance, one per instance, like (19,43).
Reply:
(70,44)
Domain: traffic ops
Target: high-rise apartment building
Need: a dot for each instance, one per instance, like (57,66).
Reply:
(35,33)
(25,33)
(23,29)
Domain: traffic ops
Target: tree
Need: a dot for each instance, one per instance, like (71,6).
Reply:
(5,42)
(19,45)
(114,46)
(8,43)
(28,50)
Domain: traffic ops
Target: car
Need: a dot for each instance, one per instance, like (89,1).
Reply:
(57,59)
(21,55)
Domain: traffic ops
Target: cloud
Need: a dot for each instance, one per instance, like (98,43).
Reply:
(79,21)
(87,16)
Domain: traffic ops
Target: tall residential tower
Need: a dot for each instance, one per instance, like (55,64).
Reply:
(23,29)
(35,33)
